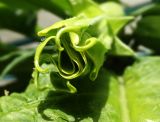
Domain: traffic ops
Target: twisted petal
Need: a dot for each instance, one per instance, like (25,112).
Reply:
(38,53)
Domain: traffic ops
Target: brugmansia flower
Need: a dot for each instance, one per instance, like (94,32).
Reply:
(79,45)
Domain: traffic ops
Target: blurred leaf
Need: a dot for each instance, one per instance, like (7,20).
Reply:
(69,8)
(61,8)
(17,5)
(147,32)
(112,9)
(4,48)
(149,27)
(15,66)
(102,1)
(146,27)
(154,10)
(18,15)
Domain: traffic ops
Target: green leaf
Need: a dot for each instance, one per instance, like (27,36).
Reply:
(133,97)
(36,106)
(117,23)
(142,89)
(52,80)
(47,105)
(25,107)
(119,48)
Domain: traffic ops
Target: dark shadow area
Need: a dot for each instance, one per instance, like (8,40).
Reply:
(18,77)
(22,73)
(118,64)
(87,102)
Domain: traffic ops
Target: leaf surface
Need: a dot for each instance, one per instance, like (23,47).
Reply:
(133,97)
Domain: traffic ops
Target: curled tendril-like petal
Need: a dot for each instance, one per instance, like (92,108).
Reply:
(71,88)
(79,72)
(93,74)
(77,59)
(59,25)
(65,30)
(88,43)
(38,53)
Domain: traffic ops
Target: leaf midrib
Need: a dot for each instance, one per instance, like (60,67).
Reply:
(123,101)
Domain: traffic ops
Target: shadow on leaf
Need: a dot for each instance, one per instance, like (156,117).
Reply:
(86,103)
